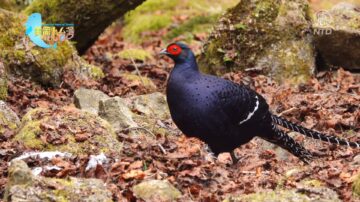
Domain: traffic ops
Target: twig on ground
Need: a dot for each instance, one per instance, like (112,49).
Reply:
(138,72)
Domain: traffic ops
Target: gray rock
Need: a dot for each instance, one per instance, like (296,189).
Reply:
(88,99)
(23,186)
(156,190)
(337,36)
(117,113)
(153,104)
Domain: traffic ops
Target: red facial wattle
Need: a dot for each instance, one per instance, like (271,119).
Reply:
(174,50)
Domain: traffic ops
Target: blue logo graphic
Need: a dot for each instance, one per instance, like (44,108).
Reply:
(33,23)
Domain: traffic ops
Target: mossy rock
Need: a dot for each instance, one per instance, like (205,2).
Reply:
(44,65)
(8,118)
(135,54)
(23,184)
(269,36)
(68,130)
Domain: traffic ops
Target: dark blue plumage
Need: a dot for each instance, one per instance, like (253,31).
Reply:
(221,113)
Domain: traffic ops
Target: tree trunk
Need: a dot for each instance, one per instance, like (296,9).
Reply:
(90,17)
(271,36)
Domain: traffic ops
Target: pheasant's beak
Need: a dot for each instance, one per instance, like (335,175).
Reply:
(164,52)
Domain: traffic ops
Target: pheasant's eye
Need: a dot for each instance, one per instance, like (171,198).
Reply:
(174,49)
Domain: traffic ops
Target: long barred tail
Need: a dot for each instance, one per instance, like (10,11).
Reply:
(281,139)
(313,134)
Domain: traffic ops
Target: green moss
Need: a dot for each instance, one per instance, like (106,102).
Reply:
(240,26)
(212,57)
(28,135)
(312,183)
(266,10)
(140,24)
(153,15)
(135,54)
(96,72)
(195,24)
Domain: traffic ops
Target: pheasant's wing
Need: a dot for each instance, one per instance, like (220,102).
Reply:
(241,104)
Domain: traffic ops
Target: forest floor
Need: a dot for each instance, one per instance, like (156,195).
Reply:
(329,103)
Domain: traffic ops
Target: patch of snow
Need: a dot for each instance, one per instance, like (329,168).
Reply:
(36,171)
(43,155)
(96,160)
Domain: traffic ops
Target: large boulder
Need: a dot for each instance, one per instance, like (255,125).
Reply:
(271,36)
(156,190)
(337,36)
(24,186)
(67,130)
